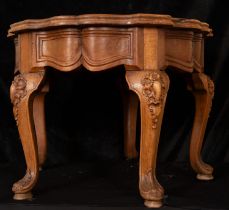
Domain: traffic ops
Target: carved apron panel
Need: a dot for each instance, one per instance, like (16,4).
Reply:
(106,48)
(59,49)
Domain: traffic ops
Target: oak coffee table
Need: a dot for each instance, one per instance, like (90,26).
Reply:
(146,44)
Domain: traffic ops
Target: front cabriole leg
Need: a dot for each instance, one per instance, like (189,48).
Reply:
(22,93)
(151,88)
(202,88)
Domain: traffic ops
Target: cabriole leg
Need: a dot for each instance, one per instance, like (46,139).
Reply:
(39,121)
(151,88)
(203,90)
(130,101)
(22,93)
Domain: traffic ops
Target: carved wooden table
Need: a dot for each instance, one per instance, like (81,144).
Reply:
(146,45)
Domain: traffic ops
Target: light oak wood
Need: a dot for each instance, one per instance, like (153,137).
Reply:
(146,44)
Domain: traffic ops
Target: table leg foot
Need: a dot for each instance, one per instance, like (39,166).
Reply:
(153,204)
(23,196)
(205,177)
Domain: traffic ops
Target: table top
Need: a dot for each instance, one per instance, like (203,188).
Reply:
(138,20)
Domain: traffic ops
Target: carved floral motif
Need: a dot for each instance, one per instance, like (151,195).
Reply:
(211,87)
(18,91)
(154,90)
(25,181)
(211,90)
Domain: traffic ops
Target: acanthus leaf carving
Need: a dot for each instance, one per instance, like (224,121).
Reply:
(154,90)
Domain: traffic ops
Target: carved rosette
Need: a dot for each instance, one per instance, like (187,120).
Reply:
(154,90)
(24,182)
(17,92)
